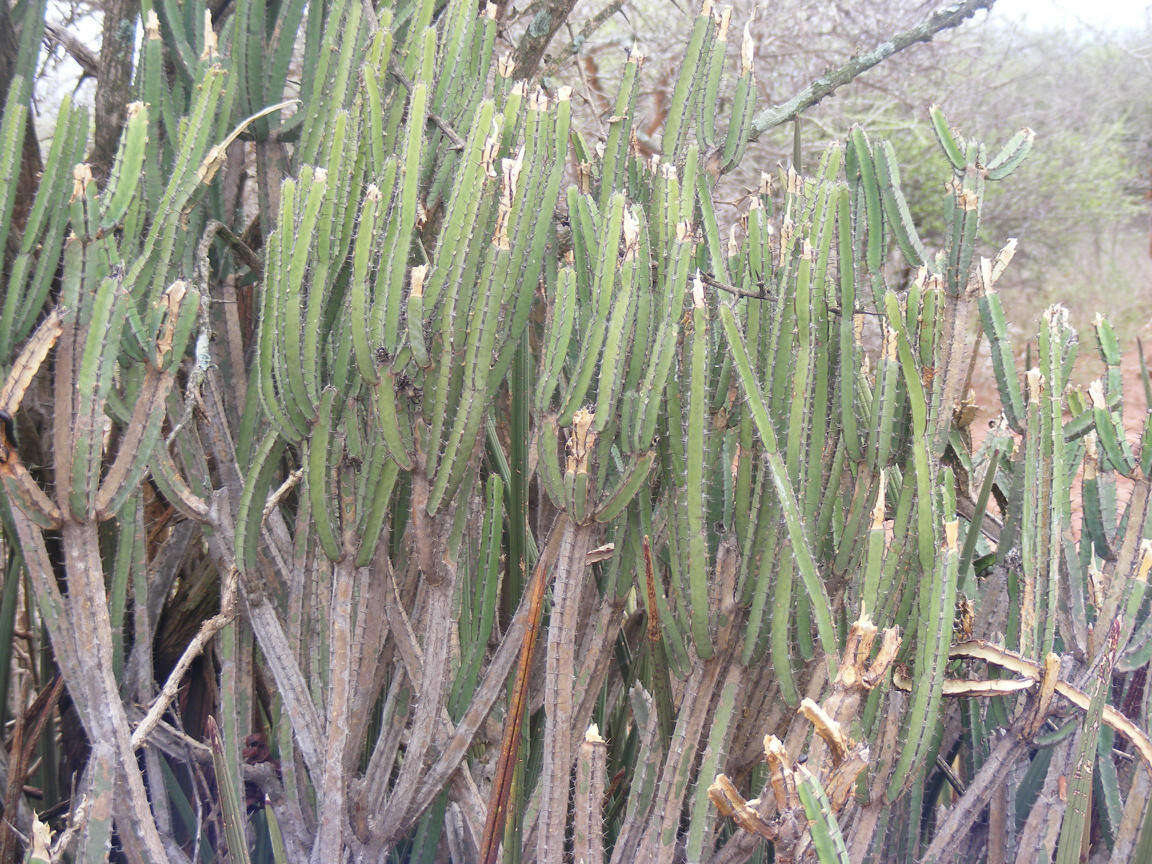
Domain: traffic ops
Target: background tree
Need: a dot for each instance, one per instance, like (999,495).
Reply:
(1082,194)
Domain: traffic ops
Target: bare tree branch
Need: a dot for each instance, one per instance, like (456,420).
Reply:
(590,26)
(84,56)
(172,686)
(541,29)
(825,85)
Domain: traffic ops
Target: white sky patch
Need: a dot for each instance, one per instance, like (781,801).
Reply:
(1090,15)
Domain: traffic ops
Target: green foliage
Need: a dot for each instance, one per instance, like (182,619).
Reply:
(457,380)
(1080,179)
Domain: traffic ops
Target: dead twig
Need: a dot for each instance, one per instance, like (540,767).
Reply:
(441,124)
(172,686)
(514,722)
(713,282)
(26,731)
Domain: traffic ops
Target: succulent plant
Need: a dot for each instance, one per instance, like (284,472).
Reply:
(544,511)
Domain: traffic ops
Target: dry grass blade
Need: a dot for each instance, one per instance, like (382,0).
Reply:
(510,743)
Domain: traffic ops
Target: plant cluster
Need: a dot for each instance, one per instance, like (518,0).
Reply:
(483,497)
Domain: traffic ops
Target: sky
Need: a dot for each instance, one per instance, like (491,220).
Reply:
(1078,14)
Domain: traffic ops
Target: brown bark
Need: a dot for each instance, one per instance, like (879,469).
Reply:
(539,33)
(114,83)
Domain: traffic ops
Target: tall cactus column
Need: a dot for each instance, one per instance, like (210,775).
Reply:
(88,344)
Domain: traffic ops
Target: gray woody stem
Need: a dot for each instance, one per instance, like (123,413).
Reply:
(825,85)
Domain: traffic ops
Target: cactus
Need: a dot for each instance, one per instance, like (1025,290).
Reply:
(455,382)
